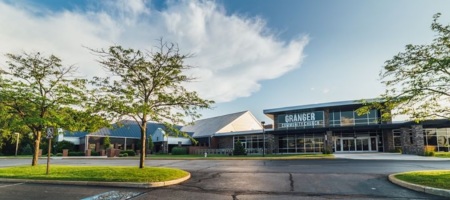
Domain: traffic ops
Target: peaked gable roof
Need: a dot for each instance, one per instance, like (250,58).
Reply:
(226,123)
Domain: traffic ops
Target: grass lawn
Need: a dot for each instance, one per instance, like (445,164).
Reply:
(437,179)
(442,154)
(93,173)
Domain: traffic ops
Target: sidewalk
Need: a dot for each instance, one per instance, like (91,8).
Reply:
(385,156)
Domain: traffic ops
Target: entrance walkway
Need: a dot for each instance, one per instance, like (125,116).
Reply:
(384,156)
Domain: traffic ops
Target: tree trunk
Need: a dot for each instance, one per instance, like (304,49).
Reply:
(143,144)
(37,141)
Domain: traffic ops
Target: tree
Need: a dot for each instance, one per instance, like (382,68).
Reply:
(106,142)
(39,92)
(147,86)
(417,80)
(239,149)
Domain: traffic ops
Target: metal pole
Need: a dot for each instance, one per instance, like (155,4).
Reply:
(17,142)
(48,153)
(264,139)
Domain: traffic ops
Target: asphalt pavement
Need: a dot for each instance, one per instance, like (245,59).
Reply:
(247,179)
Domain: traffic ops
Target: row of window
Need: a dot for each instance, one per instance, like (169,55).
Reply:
(301,143)
(438,137)
(351,118)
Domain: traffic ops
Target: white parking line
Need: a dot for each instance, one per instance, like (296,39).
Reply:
(2,186)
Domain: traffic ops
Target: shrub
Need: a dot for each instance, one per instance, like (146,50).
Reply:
(64,145)
(47,154)
(58,154)
(106,142)
(129,153)
(76,153)
(123,155)
(239,149)
(326,151)
(429,153)
(93,153)
(179,151)
(27,150)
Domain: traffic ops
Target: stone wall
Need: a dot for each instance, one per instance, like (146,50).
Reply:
(328,141)
(412,140)
(388,141)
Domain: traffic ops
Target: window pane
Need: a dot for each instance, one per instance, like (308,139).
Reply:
(347,118)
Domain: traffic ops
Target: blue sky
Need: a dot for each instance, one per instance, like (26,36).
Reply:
(250,55)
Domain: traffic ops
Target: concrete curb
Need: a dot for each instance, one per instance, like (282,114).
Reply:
(419,188)
(99,183)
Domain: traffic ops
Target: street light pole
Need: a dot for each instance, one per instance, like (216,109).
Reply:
(264,139)
(17,142)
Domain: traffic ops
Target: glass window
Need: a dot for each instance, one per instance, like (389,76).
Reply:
(347,118)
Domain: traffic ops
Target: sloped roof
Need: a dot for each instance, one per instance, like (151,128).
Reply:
(210,126)
(128,129)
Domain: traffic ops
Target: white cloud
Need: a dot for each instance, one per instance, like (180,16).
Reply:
(232,53)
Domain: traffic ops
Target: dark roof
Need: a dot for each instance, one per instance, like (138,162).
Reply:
(126,128)
(319,105)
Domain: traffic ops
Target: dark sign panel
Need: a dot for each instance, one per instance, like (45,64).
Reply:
(313,119)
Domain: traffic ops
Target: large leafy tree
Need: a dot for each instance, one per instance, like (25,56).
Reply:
(147,86)
(418,80)
(39,92)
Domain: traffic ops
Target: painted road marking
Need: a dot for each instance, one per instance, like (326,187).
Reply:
(11,185)
(112,195)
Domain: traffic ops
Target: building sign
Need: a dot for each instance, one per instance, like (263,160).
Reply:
(300,120)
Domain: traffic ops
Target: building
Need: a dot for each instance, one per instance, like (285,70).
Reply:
(333,127)
(125,136)
(336,126)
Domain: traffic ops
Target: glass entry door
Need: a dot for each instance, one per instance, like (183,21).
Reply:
(355,144)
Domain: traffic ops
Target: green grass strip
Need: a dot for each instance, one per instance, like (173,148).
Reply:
(94,173)
(442,154)
(436,179)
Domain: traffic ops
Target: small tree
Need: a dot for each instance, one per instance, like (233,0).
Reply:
(40,92)
(239,149)
(150,143)
(417,80)
(146,86)
(106,142)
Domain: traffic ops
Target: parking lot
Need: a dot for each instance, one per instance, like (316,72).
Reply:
(247,179)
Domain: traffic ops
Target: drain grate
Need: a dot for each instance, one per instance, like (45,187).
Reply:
(113,195)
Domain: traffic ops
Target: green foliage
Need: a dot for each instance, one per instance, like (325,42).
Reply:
(147,86)
(40,92)
(429,153)
(106,142)
(27,150)
(179,151)
(417,79)
(239,149)
(64,145)
(94,153)
(327,151)
(150,143)
(129,153)
(123,155)
(59,154)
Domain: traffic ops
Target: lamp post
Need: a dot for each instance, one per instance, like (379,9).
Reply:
(264,139)
(17,142)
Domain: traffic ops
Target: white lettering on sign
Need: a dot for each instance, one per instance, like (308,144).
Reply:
(303,117)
